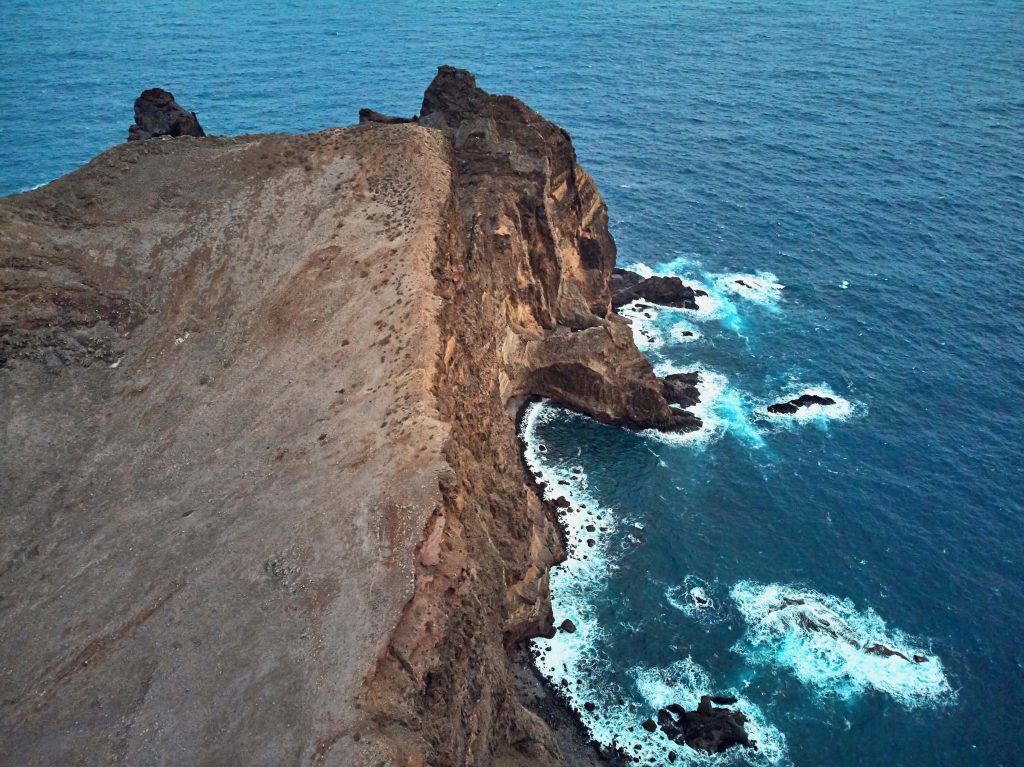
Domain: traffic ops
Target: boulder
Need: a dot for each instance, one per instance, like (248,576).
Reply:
(158,114)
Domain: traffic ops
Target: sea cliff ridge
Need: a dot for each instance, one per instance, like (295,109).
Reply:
(264,497)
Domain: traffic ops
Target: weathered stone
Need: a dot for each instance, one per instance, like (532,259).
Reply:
(158,114)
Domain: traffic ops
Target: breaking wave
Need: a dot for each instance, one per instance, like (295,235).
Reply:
(832,647)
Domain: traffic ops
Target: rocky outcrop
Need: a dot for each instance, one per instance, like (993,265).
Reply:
(158,114)
(527,312)
(804,400)
(710,728)
(681,388)
(666,291)
(369,116)
(266,503)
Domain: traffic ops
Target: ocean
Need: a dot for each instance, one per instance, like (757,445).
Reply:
(846,181)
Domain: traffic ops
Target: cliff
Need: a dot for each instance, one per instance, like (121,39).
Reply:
(263,501)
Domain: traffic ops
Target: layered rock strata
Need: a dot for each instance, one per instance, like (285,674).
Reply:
(264,501)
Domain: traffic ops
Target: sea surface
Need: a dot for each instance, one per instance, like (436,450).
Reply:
(859,168)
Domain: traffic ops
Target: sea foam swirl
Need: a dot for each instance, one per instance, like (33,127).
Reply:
(834,648)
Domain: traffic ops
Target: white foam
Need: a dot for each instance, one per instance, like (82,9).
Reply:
(721,409)
(822,640)
(821,414)
(643,320)
(762,288)
(686,598)
(567,660)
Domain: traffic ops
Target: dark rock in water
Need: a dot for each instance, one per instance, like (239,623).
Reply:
(885,652)
(723,700)
(589,706)
(804,400)
(560,503)
(567,626)
(920,659)
(623,279)
(665,291)
(708,728)
(741,283)
(158,114)
(369,116)
(650,725)
(685,421)
(681,389)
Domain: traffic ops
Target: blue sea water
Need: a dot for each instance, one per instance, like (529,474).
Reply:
(868,157)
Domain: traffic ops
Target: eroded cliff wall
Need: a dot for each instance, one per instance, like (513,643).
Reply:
(263,501)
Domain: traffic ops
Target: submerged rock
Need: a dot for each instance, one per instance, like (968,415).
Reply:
(709,728)
(158,114)
(629,286)
(804,400)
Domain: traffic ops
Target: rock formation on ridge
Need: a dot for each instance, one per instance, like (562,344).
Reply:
(158,114)
(264,497)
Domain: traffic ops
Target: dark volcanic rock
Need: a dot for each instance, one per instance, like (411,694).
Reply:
(666,291)
(804,400)
(622,279)
(567,626)
(709,728)
(885,652)
(370,116)
(681,389)
(158,114)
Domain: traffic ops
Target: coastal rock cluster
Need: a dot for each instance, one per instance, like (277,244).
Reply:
(709,728)
(627,286)
(267,501)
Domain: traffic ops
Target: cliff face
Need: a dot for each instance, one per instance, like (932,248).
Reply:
(525,311)
(263,496)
